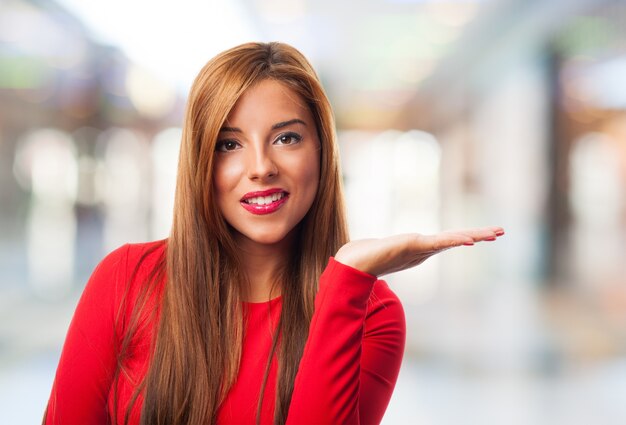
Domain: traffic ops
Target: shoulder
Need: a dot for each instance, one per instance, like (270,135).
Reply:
(144,256)
(128,256)
(131,262)
(134,277)
(143,266)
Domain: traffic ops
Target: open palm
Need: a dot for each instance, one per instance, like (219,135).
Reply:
(395,253)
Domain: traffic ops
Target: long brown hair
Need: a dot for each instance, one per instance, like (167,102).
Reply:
(197,348)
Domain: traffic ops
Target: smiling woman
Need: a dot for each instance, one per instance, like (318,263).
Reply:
(268,163)
(256,308)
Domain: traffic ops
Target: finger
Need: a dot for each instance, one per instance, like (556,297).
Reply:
(483,234)
(453,238)
(492,233)
(497,230)
(442,241)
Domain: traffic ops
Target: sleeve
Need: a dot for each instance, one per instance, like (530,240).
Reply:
(353,353)
(88,360)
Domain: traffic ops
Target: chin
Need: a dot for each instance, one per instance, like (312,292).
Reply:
(269,238)
(271,235)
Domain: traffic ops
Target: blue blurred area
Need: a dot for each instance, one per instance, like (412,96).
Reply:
(450,114)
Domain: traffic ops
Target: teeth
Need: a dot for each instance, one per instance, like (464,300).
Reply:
(264,200)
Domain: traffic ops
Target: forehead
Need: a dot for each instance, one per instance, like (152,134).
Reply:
(268,101)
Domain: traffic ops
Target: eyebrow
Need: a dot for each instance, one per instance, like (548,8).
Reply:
(286,123)
(274,127)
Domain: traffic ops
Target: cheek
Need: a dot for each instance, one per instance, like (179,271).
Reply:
(309,173)
(225,176)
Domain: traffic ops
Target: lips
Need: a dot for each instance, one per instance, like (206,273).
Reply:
(264,202)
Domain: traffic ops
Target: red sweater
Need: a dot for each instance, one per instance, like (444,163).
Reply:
(347,372)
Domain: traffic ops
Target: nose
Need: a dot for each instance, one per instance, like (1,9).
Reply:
(261,165)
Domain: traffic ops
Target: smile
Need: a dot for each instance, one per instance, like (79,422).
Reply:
(265,202)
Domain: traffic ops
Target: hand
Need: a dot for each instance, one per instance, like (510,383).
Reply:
(394,253)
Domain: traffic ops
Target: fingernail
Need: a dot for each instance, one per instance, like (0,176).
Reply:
(500,232)
(468,243)
(490,239)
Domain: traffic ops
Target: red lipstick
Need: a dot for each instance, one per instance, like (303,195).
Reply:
(265,201)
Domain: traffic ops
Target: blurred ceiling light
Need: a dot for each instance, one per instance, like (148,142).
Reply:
(171,39)
(281,11)
(150,96)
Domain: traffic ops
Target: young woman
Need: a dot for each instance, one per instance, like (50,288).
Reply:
(256,309)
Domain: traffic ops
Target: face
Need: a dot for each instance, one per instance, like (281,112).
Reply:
(267,161)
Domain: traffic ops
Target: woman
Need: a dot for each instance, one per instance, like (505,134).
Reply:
(256,308)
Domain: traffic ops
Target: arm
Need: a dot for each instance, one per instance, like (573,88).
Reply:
(353,353)
(88,361)
(349,365)
(383,348)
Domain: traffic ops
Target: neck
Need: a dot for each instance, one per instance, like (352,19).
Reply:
(262,263)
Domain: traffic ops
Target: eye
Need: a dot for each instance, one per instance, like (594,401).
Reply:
(226,145)
(288,139)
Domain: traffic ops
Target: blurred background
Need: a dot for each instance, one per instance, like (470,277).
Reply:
(450,113)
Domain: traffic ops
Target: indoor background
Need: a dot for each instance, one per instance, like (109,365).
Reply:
(450,114)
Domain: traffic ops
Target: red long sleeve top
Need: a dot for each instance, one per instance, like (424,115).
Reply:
(346,375)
